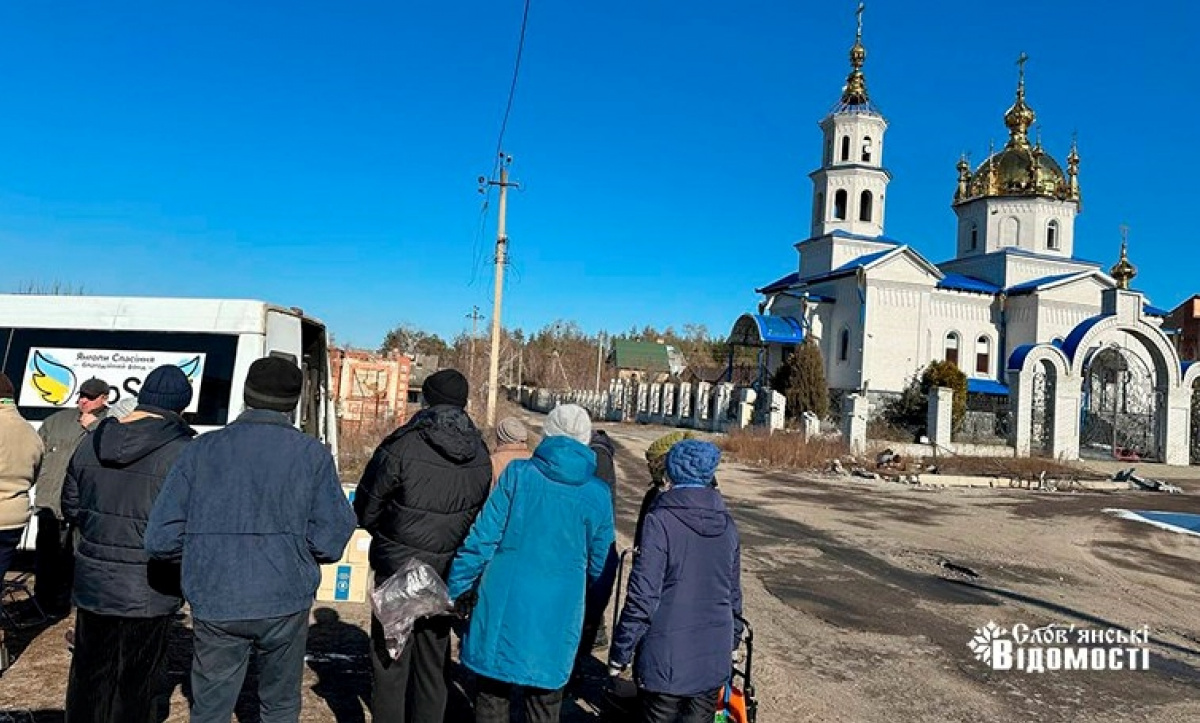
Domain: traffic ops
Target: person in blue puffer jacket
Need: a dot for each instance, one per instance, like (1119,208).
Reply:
(683,608)
(540,541)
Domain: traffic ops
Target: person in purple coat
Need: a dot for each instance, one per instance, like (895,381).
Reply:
(682,610)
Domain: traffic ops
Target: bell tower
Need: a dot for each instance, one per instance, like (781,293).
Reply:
(850,186)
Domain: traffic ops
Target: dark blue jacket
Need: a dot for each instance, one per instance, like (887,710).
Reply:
(250,510)
(110,488)
(684,591)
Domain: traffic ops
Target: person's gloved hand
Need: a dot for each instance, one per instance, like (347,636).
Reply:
(464,604)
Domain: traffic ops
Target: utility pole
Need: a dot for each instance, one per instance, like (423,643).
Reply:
(599,359)
(501,261)
(474,316)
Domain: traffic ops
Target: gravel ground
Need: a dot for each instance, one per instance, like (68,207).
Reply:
(863,596)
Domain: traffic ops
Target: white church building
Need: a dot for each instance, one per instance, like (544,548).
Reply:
(1079,355)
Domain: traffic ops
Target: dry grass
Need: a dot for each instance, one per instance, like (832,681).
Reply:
(356,444)
(783,450)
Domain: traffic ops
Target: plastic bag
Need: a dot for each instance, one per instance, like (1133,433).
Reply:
(414,591)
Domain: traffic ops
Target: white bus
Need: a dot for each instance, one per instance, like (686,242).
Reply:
(49,345)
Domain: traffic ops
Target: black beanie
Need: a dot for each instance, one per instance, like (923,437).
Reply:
(273,383)
(445,387)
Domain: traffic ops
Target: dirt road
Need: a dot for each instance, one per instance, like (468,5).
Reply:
(864,596)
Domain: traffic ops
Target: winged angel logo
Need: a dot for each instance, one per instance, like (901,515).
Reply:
(981,644)
(54,381)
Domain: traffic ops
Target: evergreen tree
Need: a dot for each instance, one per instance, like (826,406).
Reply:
(801,378)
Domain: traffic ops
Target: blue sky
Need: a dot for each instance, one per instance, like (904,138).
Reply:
(324,155)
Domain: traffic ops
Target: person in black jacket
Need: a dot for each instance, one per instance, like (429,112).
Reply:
(598,594)
(418,497)
(125,601)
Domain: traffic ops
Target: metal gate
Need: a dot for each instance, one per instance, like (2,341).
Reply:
(1041,438)
(1120,408)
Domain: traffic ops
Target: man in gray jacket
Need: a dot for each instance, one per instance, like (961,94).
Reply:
(54,561)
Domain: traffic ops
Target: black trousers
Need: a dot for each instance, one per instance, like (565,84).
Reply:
(53,564)
(222,655)
(492,702)
(414,687)
(119,669)
(663,708)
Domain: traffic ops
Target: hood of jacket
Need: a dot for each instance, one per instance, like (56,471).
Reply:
(122,443)
(564,460)
(449,431)
(700,508)
(601,439)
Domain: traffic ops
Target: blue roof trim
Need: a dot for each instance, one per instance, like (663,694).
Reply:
(959,282)
(1149,310)
(1048,257)
(1071,343)
(1017,359)
(987,386)
(839,233)
(780,284)
(779,329)
(1033,285)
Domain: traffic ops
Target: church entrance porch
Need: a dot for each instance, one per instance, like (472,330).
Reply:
(1121,408)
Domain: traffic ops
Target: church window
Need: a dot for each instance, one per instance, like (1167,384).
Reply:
(952,348)
(818,208)
(1010,231)
(844,345)
(974,235)
(1052,235)
(845,148)
(866,149)
(839,205)
(983,355)
(864,206)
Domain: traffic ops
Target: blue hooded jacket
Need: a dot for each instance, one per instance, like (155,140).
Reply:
(684,591)
(542,537)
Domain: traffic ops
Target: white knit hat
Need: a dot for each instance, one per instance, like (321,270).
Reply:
(569,420)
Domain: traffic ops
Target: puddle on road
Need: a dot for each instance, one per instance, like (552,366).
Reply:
(1178,522)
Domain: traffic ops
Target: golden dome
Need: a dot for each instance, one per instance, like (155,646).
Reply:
(1020,168)
(1123,271)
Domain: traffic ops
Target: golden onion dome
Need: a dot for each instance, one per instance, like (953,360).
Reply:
(1123,271)
(1020,168)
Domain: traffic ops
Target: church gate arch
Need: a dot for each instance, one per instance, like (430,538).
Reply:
(1121,406)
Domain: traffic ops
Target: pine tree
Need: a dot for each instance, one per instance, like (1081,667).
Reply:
(801,379)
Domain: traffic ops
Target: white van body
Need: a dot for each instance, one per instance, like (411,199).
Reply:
(49,345)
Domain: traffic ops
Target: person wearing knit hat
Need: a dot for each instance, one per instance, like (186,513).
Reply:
(684,632)
(447,386)
(656,461)
(273,383)
(512,443)
(538,547)
(251,510)
(124,602)
(418,497)
(166,387)
(569,420)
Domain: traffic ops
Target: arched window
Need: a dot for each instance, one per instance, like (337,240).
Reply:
(1010,231)
(844,345)
(839,204)
(845,148)
(866,149)
(974,235)
(818,208)
(983,355)
(864,206)
(952,348)
(1052,235)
